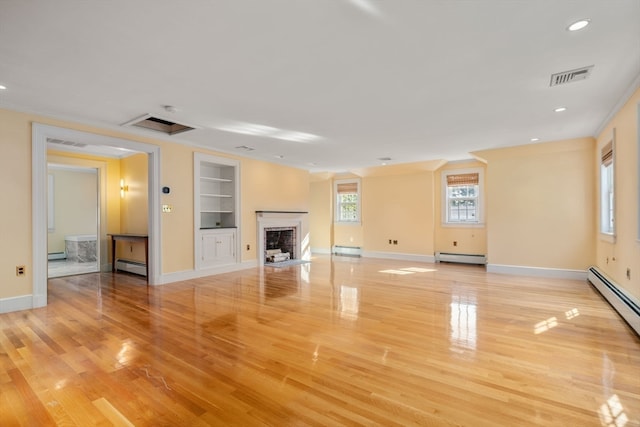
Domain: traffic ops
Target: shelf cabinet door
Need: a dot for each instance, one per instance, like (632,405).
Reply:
(218,247)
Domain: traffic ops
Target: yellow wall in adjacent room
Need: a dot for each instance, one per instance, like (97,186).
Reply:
(134,205)
(624,253)
(470,239)
(541,204)
(75,205)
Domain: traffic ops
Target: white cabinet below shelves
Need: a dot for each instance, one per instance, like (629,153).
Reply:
(217,247)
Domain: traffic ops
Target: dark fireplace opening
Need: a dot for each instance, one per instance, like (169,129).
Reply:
(279,243)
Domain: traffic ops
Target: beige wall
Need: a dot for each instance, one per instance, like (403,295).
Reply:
(624,253)
(15,226)
(320,207)
(541,204)
(398,208)
(75,205)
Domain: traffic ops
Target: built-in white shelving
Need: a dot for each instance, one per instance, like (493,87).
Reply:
(216,205)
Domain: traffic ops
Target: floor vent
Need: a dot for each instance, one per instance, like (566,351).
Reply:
(347,250)
(570,76)
(626,306)
(461,258)
(159,124)
(129,266)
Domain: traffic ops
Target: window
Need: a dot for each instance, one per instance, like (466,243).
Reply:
(461,196)
(607,193)
(347,200)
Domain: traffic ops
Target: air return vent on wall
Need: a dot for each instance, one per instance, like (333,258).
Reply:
(159,124)
(570,76)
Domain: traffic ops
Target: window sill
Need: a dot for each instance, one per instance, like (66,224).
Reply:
(606,237)
(347,223)
(462,224)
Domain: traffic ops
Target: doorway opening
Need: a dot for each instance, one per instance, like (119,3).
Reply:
(73,221)
(40,135)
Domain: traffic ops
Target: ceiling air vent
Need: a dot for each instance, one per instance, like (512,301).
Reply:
(570,76)
(63,142)
(159,124)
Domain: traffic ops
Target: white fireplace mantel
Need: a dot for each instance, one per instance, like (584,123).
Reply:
(297,220)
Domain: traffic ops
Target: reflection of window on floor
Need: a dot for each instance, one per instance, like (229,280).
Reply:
(463,321)
(545,325)
(612,413)
(572,313)
(349,302)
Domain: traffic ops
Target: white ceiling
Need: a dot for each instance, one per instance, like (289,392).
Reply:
(410,80)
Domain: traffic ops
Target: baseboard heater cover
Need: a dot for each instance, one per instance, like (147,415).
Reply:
(129,266)
(347,250)
(56,255)
(627,307)
(461,258)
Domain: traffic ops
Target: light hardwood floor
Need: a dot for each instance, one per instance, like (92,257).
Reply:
(336,342)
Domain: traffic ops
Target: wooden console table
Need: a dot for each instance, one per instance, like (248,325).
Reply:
(130,238)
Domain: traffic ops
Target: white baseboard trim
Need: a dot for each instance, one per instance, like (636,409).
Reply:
(179,276)
(321,251)
(24,302)
(552,273)
(399,256)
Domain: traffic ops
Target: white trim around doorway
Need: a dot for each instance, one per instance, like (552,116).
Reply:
(40,133)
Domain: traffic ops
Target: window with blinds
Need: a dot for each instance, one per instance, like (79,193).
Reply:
(347,200)
(607,199)
(461,196)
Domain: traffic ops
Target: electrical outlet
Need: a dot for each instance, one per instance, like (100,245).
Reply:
(395,242)
(390,241)
(628,274)
(21,270)
(455,243)
(167,208)
(248,247)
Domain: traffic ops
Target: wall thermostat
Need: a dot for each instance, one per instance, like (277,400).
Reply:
(166,190)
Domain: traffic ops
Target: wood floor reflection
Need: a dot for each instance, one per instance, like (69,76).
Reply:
(339,341)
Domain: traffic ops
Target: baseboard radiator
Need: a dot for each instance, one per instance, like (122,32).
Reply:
(129,266)
(461,258)
(347,250)
(56,255)
(626,306)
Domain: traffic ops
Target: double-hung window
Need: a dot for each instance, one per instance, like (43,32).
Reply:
(607,199)
(347,193)
(462,197)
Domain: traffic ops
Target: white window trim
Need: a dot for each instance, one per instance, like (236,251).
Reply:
(480,200)
(336,211)
(605,236)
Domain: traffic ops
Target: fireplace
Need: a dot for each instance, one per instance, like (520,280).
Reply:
(282,236)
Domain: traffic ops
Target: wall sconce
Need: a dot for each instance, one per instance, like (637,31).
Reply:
(123,188)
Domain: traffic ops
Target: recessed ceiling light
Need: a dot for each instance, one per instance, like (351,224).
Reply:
(2,87)
(560,109)
(535,139)
(578,25)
